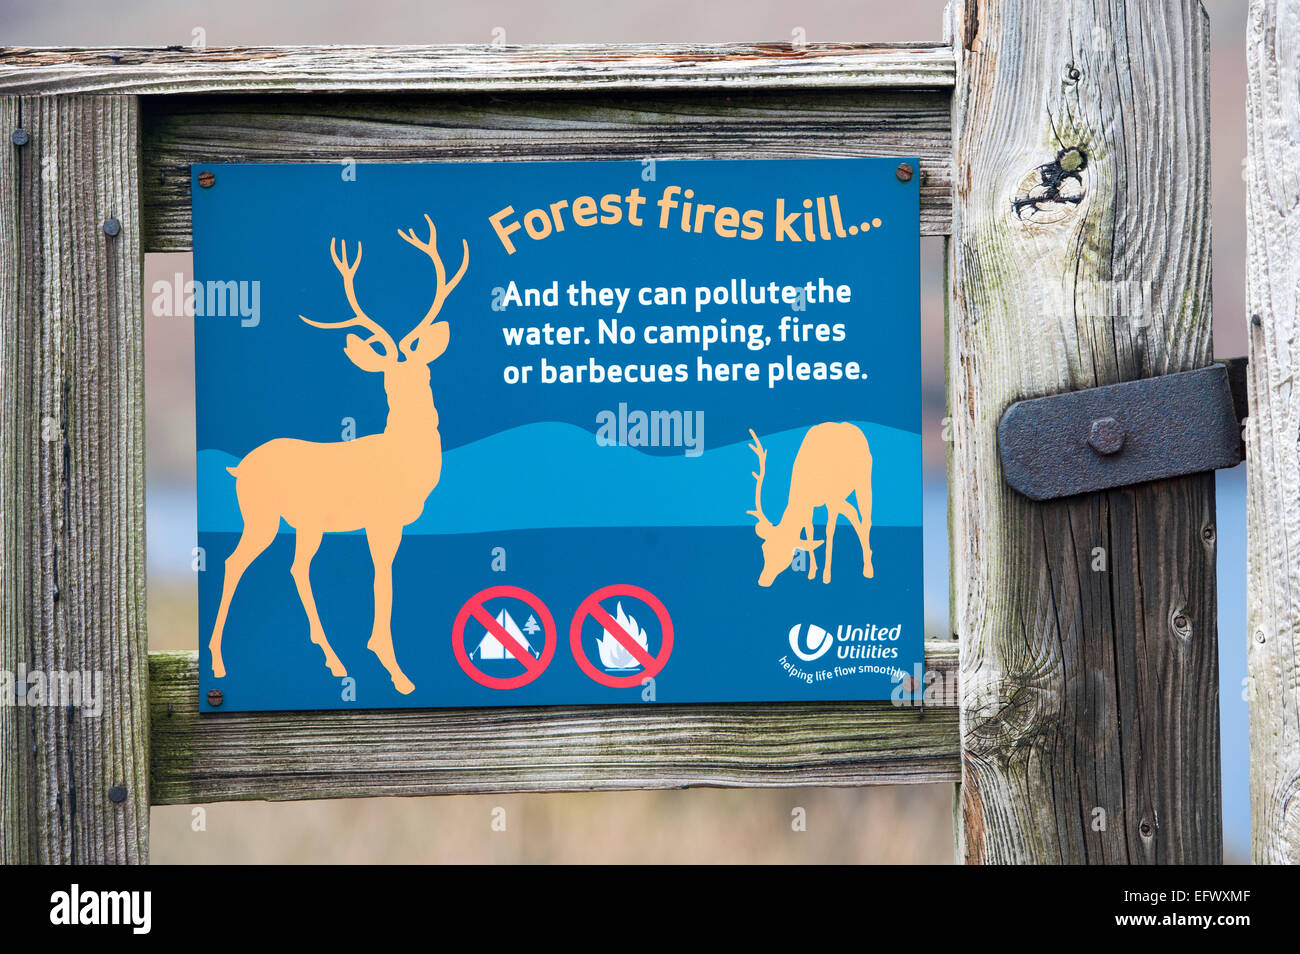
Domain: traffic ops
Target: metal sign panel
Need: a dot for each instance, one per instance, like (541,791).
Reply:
(476,434)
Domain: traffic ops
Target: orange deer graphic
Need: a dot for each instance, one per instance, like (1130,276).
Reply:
(377,483)
(833,461)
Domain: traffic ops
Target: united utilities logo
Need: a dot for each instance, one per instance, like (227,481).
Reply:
(809,641)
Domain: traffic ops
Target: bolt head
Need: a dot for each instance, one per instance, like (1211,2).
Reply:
(216,697)
(112,227)
(117,794)
(19,137)
(1106,436)
(904,172)
(207,179)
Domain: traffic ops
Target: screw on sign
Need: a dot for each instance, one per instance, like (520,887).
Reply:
(500,636)
(651,665)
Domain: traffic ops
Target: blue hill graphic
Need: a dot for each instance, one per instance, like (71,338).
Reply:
(553,474)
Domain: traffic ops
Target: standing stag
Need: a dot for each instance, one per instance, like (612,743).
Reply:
(377,483)
(833,461)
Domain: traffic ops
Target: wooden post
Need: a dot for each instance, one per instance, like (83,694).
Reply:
(1273,502)
(1088,671)
(73,785)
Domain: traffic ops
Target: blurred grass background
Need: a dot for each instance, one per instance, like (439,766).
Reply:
(885,824)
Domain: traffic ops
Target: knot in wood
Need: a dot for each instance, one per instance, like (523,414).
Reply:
(1053,189)
(1073,160)
(1006,714)
(1282,807)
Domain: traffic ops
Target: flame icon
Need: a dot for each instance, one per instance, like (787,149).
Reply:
(613,655)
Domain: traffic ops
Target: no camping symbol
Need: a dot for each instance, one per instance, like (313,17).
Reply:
(502,638)
(623,644)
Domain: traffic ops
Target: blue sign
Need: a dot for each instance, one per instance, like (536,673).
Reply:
(542,433)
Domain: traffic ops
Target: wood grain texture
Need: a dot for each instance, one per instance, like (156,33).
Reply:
(71,479)
(195,129)
(294,755)
(1089,691)
(17,480)
(1273,496)
(472,68)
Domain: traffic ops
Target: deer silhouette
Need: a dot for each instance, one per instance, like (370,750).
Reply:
(832,462)
(377,483)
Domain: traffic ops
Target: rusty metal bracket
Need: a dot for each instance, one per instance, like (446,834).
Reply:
(1123,434)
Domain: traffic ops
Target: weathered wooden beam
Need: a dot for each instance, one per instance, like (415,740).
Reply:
(470,68)
(1273,500)
(182,130)
(295,755)
(73,782)
(1080,256)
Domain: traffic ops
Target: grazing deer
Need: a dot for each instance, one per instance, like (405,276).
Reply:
(377,483)
(833,461)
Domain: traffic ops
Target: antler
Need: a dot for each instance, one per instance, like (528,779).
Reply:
(360,318)
(758,449)
(445,288)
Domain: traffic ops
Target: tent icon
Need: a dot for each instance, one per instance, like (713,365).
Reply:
(490,648)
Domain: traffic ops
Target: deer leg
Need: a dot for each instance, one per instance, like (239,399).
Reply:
(832,516)
(259,531)
(308,543)
(383,548)
(812,560)
(863,526)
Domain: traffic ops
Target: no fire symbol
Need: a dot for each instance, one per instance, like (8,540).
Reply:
(623,643)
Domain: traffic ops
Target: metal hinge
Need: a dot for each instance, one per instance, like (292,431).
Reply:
(1123,434)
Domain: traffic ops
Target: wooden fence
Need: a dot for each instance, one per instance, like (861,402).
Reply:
(1085,728)
(1273,495)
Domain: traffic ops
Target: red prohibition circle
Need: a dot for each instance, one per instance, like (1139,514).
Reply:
(533,667)
(651,665)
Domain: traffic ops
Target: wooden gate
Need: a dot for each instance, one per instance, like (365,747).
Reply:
(1078,709)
